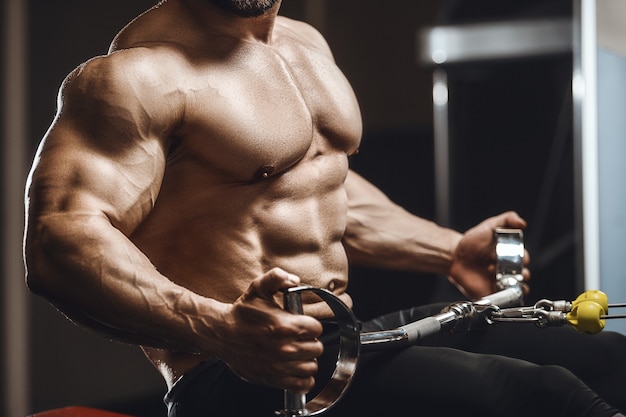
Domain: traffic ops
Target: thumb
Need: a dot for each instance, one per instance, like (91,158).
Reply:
(508,219)
(271,282)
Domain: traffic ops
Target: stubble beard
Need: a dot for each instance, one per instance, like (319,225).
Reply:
(246,8)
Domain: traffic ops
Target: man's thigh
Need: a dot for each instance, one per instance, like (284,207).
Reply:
(439,381)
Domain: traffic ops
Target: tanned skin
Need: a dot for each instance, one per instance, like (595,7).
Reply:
(201,167)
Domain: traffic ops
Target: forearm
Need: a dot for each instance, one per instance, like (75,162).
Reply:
(379,233)
(396,239)
(99,279)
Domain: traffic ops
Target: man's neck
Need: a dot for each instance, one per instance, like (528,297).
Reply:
(209,15)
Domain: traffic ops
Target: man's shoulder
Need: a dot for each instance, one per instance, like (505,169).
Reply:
(132,81)
(121,69)
(306,32)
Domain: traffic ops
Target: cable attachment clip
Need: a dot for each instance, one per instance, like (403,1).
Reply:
(588,313)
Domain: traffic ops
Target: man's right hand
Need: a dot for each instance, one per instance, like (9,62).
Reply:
(264,344)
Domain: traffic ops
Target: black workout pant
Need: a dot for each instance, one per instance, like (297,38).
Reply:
(503,370)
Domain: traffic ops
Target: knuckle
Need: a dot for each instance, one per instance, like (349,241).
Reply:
(319,348)
(288,349)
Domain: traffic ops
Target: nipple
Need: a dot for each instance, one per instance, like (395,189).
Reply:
(264,172)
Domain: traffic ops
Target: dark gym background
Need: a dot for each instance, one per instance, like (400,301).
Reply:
(511,145)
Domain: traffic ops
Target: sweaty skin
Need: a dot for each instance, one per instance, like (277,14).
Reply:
(196,170)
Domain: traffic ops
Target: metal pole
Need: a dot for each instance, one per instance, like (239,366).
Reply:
(584,91)
(16,323)
(441,147)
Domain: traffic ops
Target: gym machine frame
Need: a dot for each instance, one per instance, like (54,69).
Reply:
(588,314)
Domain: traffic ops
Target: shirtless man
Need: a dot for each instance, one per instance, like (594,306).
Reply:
(200,168)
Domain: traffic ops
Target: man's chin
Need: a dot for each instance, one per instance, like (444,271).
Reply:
(246,8)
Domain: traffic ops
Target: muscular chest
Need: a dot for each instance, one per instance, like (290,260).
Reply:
(262,111)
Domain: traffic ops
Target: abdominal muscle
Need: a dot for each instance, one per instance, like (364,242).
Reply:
(223,237)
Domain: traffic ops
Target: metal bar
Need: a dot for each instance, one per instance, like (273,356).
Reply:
(412,332)
(584,90)
(16,306)
(494,40)
(294,402)
(441,147)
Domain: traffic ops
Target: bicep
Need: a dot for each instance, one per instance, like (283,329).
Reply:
(105,151)
(74,173)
